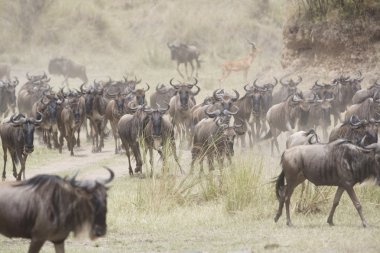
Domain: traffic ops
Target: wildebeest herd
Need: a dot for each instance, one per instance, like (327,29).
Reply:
(210,129)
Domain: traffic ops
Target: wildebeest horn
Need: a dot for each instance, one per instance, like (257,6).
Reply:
(137,81)
(212,114)
(318,84)
(27,76)
(19,119)
(163,110)
(108,180)
(148,87)
(130,106)
(237,95)
(174,85)
(197,92)
(81,88)
(296,98)
(42,101)
(255,85)
(246,89)
(227,112)
(159,88)
(217,94)
(16,82)
(275,79)
(196,81)
(37,121)
(330,99)
(358,122)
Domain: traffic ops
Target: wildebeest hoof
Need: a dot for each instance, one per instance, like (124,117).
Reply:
(137,169)
(276,218)
(365,224)
(289,223)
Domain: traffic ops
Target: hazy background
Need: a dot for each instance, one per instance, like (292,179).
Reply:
(129,36)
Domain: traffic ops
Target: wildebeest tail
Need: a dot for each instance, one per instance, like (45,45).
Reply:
(280,183)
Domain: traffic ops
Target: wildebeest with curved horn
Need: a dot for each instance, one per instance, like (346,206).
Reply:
(130,128)
(68,69)
(214,137)
(363,94)
(180,107)
(48,208)
(283,116)
(302,138)
(17,137)
(339,163)
(359,131)
(365,110)
(185,54)
(161,96)
(159,135)
(287,88)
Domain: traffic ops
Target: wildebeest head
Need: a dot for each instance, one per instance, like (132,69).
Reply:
(98,198)
(141,114)
(156,121)
(140,95)
(38,78)
(228,130)
(291,85)
(131,84)
(27,125)
(184,92)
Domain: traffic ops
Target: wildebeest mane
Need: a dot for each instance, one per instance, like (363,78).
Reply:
(66,204)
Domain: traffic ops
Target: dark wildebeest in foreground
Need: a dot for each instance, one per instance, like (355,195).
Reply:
(185,54)
(361,132)
(5,71)
(68,69)
(17,137)
(159,135)
(339,163)
(48,208)
(130,129)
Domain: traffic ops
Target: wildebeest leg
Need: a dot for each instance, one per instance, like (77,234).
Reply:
(13,156)
(290,186)
(5,162)
(35,245)
(179,72)
(356,203)
(78,139)
(59,247)
(136,152)
(151,161)
(174,150)
(210,160)
(337,197)
(127,152)
(22,170)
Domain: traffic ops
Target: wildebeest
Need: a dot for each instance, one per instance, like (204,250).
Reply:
(366,109)
(95,107)
(320,114)
(363,94)
(130,128)
(5,71)
(180,107)
(339,163)
(31,92)
(161,96)
(48,208)
(116,108)
(185,54)
(214,137)
(287,88)
(159,135)
(72,117)
(17,137)
(347,87)
(68,69)
(8,96)
(302,138)
(283,116)
(358,131)
(242,64)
